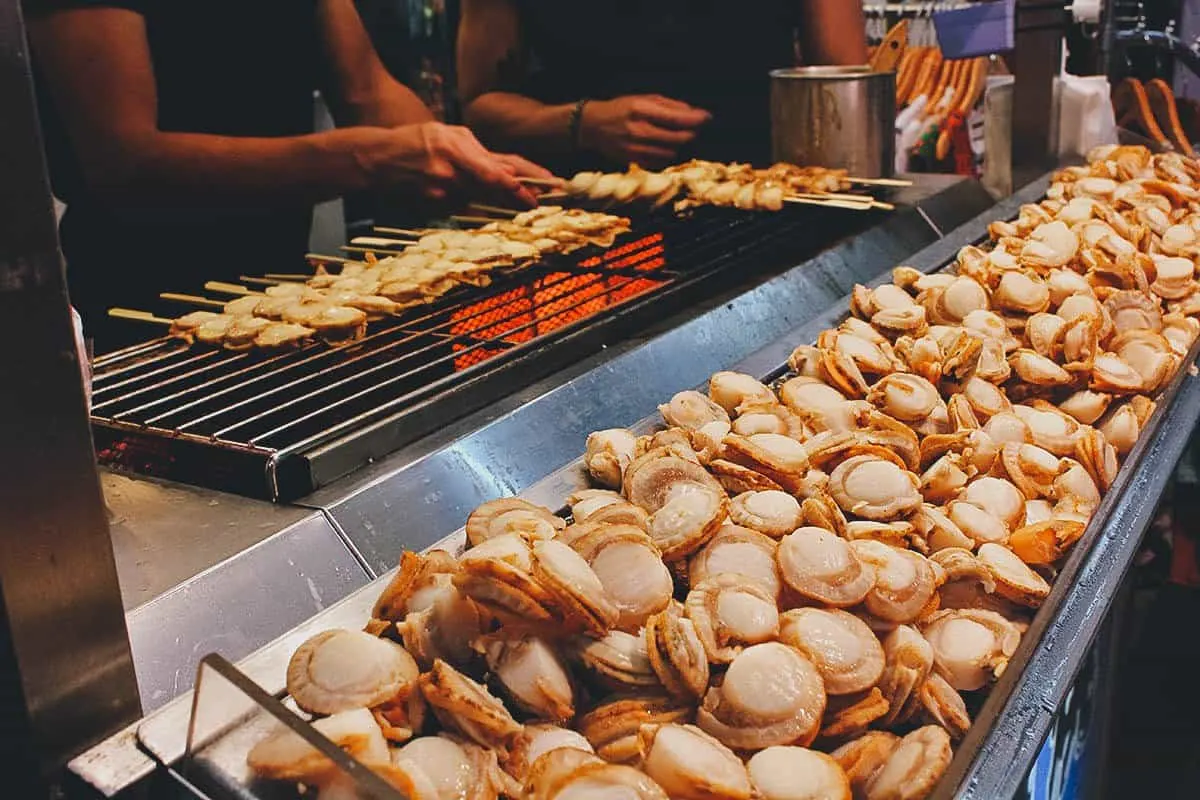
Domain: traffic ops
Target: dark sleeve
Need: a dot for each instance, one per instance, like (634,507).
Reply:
(35,8)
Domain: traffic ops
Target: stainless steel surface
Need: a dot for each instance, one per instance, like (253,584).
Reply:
(165,534)
(843,117)
(412,498)
(240,603)
(65,664)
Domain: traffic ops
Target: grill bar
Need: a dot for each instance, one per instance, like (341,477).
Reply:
(154,399)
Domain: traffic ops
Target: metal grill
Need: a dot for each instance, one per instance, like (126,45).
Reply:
(280,425)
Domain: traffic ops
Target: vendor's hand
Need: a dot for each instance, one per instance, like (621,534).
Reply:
(446,161)
(646,128)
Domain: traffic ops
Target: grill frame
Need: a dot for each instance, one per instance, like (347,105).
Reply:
(710,245)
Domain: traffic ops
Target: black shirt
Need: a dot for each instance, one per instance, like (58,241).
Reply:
(230,67)
(714,55)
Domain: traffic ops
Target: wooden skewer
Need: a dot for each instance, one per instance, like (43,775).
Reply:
(862,200)
(349,249)
(400,231)
(139,316)
(194,299)
(879,181)
(381,241)
(287,276)
(332,259)
(228,288)
(471,220)
(555,182)
(264,281)
(828,203)
(504,212)
(553,196)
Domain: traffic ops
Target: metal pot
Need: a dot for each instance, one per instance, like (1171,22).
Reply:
(835,117)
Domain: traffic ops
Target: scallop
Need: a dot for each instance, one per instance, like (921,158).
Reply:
(463,705)
(780,458)
(774,513)
(533,676)
(771,695)
(732,389)
(998,497)
(797,773)
(874,488)
(689,764)
(914,767)
(728,614)
(971,647)
(577,590)
(608,453)
(686,504)
(1013,578)
(512,515)
(840,645)
(822,566)
(691,410)
(905,583)
(738,551)
(287,756)
(341,670)
(628,565)
(620,661)
(909,661)
(905,396)
(612,727)
(676,653)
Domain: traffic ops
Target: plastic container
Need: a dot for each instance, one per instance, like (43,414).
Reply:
(980,29)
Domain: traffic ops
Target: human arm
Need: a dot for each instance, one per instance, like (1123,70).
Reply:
(832,32)
(96,61)
(643,128)
(360,89)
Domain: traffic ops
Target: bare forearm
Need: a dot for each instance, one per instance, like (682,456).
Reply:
(514,122)
(391,104)
(189,169)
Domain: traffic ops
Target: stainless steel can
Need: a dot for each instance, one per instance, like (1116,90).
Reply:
(838,117)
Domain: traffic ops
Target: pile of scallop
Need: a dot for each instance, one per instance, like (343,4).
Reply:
(798,591)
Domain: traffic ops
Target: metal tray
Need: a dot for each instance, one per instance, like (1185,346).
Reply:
(997,753)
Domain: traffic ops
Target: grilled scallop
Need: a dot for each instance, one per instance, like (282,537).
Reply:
(608,454)
(905,584)
(511,515)
(533,677)
(840,645)
(914,767)
(863,757)
(630,569)
(692,410)
(738,551)
(619,661)
(782,459)
(728,614)
(797,773)
(578,592)
(689,764)
(909,661)
(455,770)
(497,575)
(341,670)
(970,646)
(773,513)
(287,756)
(821,566)
(463,705)
(874,488)
(676,653)
(612,727)
(686,504)
(1013,578)
(732,389)
(771,695)
(942,705)
(539,739)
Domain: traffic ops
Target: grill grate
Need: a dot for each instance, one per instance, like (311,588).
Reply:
(258,424)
